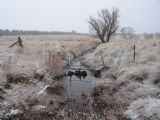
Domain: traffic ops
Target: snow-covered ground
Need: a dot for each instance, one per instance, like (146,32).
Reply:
(24,72)
(128,90)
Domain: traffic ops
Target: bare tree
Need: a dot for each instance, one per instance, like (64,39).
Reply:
(127,32)
(105,25)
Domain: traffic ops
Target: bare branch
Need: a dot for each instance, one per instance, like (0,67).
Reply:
(105,25)
(127,32)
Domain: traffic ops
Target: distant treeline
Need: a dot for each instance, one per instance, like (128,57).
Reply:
(35,32)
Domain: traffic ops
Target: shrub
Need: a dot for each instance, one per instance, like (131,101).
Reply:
(32,101)
(42,114)
(105,101)
(55,65)
(12,112)
(55,89)
(17,78)
(1,94)
(136,73)
(154,76)
(39,74)
(112,73)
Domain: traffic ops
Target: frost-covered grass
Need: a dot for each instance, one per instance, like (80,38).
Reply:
(144,109)
(24,72)
(37,50)
(129,82)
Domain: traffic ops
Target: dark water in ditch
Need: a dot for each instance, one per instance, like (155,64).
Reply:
(78,90)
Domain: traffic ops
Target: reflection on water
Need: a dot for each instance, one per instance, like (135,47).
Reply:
(78,89)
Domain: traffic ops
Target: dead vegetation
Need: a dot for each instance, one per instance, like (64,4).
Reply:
(39,74)
(155,75)
(55,89)
(105,101)
(127,86)
(17,78)
(127,90)
(55,65)
(25,72)
(1,94)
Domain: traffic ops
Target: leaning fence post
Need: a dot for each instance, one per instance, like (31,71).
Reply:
(19,42)
(134,53)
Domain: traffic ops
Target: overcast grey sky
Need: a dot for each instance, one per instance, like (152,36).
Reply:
(67,15)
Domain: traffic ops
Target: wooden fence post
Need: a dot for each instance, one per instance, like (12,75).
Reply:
(19,42)
(69,62)
(45,59)
(134,53)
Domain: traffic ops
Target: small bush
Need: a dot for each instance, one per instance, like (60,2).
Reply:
(41,114)
(17,78)
(154,76)
(55,89)
(111,74)
(136,73)
(32,101)
(98,90)
(2,91)
(39,74)
(7,86)
(55,65)
(12,112)
(105,102)
(1,94)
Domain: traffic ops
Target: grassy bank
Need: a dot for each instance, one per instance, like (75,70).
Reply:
(129,89)
(25,72)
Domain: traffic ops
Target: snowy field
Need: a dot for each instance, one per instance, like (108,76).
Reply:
(25,72)
(129,89)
